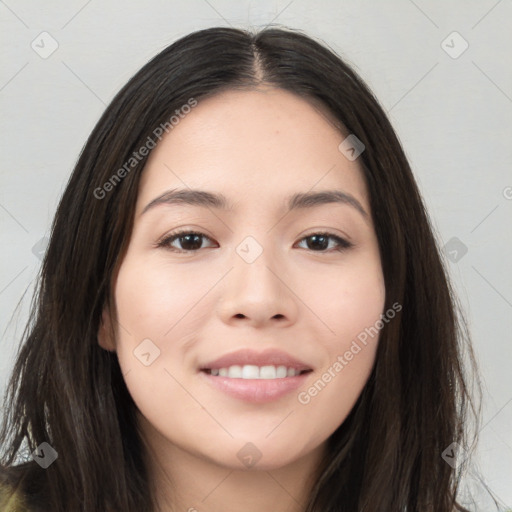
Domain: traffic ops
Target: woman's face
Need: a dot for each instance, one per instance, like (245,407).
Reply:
(258,276)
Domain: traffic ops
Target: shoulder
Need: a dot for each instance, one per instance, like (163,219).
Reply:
(12,498)
(20,489)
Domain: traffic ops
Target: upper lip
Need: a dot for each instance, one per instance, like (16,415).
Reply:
(269,357)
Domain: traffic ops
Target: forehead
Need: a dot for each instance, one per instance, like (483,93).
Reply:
(266,142)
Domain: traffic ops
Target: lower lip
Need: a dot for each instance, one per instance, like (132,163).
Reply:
(256,390)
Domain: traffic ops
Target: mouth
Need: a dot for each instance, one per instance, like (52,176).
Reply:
(253,387)
(256,377)
(254,372)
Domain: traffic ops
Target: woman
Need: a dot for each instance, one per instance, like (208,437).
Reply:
(242,302)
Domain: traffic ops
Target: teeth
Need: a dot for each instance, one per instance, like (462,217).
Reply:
(268,372)
(250,371)
(235,372)
(282,372)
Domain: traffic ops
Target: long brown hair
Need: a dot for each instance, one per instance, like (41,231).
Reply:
(67,391)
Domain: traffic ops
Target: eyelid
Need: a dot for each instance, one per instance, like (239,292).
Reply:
(330,232)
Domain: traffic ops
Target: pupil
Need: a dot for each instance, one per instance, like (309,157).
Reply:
(196,245)
(315,239)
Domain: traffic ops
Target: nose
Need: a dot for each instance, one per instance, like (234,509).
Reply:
(258,293)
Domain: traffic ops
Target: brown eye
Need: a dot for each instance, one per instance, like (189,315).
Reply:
(320,242)
(190,241)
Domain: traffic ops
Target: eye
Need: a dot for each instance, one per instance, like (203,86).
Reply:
(319,242)
(191,241)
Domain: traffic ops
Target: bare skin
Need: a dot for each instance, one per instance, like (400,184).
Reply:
(256,148)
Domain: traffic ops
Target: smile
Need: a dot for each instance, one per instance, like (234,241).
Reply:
(250,371)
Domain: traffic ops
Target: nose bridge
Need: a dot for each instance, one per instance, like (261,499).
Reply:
(254,287)
(256,263)
(255,234)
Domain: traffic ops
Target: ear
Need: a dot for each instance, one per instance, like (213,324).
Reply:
(106,332)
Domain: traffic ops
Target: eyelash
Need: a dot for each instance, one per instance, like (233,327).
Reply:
(165,242)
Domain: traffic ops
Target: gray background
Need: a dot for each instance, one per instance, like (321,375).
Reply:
(451,109)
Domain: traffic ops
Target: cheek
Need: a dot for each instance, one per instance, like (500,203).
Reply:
(350,356)
(351,307)
(151,297)
(348,301)
(156,315)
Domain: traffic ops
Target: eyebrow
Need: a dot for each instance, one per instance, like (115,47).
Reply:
(297,201)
